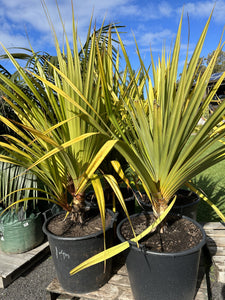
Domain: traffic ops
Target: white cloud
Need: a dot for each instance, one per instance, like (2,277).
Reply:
(154,10)
(9,40)
(165,9)
(16,15)
(197,9)
(156,38)
(19,15)
(19,18)
(21,12)
(219,12)
(202,9)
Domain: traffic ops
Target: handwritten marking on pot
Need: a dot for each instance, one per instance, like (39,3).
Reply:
(61,254)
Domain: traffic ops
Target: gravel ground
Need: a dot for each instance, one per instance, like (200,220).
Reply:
(218,291)
(31,285)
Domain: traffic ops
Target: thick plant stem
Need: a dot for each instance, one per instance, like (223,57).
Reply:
(78,202)
(159,206)
(78,207)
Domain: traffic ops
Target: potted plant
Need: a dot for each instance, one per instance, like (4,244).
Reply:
(21,226)
(64,150)
(157,137)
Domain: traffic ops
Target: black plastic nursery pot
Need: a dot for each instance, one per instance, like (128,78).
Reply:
(163,276)
(68,252)
(128,196)
(186,203)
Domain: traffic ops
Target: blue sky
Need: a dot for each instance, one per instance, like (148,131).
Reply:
(152,22)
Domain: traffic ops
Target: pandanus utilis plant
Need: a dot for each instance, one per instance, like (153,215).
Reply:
(157,133)
(59,116)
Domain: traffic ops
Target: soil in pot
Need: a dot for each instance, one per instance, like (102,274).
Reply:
(179,234)
(72,243)
(68,228)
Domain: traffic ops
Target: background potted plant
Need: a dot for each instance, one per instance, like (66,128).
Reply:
(155,137)
(21,226)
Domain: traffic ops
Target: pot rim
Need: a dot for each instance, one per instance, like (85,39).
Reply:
(126,199)
(195,202)
(171,254)
(93,235)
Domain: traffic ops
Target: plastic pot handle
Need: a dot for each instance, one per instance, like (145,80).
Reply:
(47,214)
